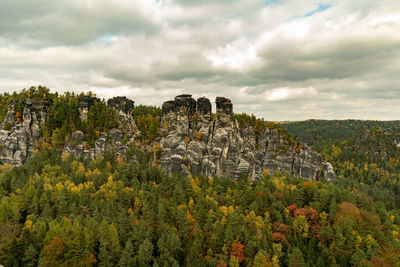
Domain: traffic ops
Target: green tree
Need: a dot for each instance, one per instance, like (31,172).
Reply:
(295,258)
(127,255)
(145,253)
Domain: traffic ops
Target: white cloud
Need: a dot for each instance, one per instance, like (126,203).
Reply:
(236,56)
(286,92)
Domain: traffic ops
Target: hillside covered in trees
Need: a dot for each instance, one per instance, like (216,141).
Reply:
(61,210)
(366,154)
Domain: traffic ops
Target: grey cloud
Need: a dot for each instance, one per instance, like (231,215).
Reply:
(287,60)
(345,65)
(47,23)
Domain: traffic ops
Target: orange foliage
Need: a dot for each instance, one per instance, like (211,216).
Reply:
(280,227)
(311,216)
(18,117)
(238,251)
(308,212)
(191,221)
(221,263)
(92,258)
(350,211)
(278,237)
(292,208)
(280,231)
(54,251)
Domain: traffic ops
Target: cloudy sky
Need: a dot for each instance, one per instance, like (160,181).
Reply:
(278,59)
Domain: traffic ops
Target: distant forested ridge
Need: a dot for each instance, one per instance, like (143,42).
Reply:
(366,154)
(318,133)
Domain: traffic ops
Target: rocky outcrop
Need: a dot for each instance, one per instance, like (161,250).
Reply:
(196,142)
(111,141)
(193,140)
(19,131)
(124,106)
(395,137)
(380,143)
(18,134)
(84,104)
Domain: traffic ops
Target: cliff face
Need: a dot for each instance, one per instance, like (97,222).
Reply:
(193,141)
(18,135)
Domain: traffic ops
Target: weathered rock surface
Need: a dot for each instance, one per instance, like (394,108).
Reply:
(121,103)
(17,137)
(111,141)
(194,142)
(84,104)
(124,106)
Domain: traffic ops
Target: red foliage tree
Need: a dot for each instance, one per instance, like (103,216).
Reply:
(280,227)
(278,237)
(309,213)
(292,208)
(311,216)
(280,231)
(238,251)
(221,263)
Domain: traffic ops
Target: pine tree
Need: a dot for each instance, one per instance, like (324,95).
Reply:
(145,253)
(110,248)
(30,256)
(127,253)
(295,258)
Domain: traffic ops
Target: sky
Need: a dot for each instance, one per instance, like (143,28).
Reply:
(277,59)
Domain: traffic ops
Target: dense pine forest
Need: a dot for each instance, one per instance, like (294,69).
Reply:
(59,210)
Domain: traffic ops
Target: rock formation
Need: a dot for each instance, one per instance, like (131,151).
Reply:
(195,142)
(18,135)
(123,106)
(111,140)
(84,104)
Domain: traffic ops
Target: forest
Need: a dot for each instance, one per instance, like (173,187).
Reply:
(59,210)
